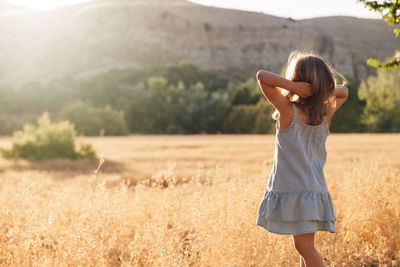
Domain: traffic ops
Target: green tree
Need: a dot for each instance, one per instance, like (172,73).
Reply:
(216,111)
(156,107)
(38,97)
(89,120)
(245,93)
(190,74)
(192,105)
(382,96)
(112,121)
(390,11)
(162,107)
(264,122)
(254,119)
(83,116)
(348,117)
(109,88)
(241,119)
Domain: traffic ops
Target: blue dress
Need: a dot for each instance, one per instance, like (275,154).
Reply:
(296,200)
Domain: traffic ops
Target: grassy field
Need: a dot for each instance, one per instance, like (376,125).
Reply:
(192,201)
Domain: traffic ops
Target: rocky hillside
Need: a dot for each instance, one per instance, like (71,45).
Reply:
(91,37)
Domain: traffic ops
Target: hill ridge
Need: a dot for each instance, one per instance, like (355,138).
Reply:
(100,35)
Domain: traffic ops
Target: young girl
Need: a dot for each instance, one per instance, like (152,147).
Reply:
(296,201)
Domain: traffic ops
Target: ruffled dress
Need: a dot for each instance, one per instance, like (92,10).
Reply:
(296,200)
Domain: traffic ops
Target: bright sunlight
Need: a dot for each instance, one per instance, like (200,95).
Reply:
(45,4)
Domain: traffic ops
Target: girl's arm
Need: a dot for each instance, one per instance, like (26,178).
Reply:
(301,89)
(269,84)
(341,95)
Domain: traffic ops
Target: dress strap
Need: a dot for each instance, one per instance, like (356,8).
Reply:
(326,121)
(294,112)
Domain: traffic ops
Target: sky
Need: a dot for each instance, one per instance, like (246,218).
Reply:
(284,8)
(297,9)
(45,4)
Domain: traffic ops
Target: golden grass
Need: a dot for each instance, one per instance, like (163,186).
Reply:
(192,201)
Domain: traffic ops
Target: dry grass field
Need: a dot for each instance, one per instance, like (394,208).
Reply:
(192,201)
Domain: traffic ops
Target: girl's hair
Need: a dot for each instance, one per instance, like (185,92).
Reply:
(311,68)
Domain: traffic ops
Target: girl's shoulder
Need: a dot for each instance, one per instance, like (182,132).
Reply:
(295,122)
(284,123)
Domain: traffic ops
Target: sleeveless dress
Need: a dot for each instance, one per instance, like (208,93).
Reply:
(296,200)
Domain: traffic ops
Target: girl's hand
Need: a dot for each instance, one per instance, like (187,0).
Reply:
(303,89)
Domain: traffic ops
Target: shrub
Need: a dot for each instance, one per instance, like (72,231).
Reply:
(207,26)
(47,140)
(241,119)
(246,93)
(83,117)
(264,124)
(89,120)
(347,118)
(382,97)
(112,121)
(250,119)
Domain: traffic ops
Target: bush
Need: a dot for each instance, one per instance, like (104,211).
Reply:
(241,119)
(47,140)
(112,121)
(246,93)
(347,118)
(94,121)
(164,108)
(83,117)
(251,119)
(382,96)
(264,124)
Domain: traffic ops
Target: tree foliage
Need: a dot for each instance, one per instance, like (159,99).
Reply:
(91,121)
(348,117)
(176,98)
(382,96)
(162,107)
(390,11)
(245,93)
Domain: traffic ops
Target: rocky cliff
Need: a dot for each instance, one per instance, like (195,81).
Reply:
(95,36)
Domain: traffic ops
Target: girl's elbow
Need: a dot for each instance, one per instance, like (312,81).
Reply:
(346,92)
(258,75)
(262,75)
(342,91)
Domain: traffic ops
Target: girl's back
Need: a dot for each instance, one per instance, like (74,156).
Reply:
(300,156)
(297,200)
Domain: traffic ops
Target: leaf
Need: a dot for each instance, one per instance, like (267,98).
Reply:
(396,32)
(374,62)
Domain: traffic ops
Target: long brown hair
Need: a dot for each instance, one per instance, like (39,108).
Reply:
(311,68)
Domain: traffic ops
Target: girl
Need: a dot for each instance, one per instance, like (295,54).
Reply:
(296,201)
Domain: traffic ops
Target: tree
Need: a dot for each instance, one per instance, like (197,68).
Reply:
(347,118)
(83,117)
(89,120)
(390,11)
(382,96)
(245,93)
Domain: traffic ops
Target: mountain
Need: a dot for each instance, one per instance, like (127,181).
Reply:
(95,36)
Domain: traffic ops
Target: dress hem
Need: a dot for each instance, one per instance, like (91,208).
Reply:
(297,206)
(263,225)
